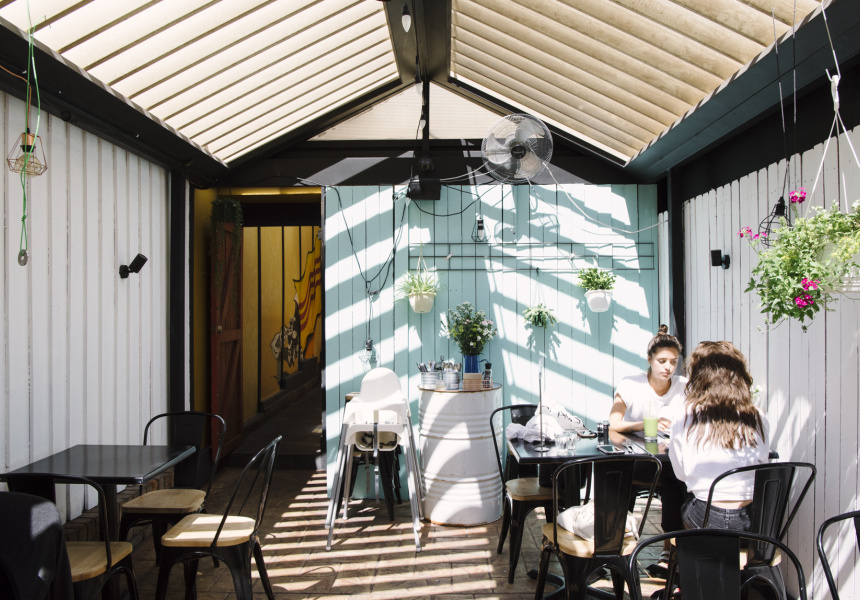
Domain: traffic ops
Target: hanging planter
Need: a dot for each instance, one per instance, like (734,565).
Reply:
(422,302)
(598,288)
(806,263)
(420,286)
(538,314)
(598,300)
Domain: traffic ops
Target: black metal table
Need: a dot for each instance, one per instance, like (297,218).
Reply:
(107,464)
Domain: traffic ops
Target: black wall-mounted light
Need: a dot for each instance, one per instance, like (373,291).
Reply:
(718,259)
(135,266)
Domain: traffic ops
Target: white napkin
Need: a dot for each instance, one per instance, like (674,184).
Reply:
(551,429)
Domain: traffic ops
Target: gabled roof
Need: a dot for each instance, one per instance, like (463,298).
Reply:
(239,79)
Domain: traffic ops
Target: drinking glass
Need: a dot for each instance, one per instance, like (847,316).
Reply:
(650,429)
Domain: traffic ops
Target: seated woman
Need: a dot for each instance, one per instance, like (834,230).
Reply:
(719,429)
(658,391)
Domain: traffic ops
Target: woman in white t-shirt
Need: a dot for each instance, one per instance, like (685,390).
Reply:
(656,387)
(718,429)
(659,391)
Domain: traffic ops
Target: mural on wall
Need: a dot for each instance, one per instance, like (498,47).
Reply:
(308,299)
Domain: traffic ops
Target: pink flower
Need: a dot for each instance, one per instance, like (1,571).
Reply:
(810,283)
(745,231)
(804,300)
(797,196)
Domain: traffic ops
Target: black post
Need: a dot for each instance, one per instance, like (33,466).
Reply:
(677,308)
(177,272)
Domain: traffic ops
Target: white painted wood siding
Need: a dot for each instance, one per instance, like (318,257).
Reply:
(543,227)
(84,353)
(809,380)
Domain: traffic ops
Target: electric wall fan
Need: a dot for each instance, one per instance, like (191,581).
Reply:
(516,148)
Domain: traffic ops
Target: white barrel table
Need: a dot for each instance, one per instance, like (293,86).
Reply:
(458,460)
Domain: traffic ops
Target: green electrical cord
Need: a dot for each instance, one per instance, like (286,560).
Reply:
(23,255)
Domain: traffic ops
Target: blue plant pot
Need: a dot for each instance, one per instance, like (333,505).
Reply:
(470,363)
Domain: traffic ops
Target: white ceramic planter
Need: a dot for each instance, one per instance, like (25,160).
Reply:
(598,300)
(421,303)
(458,458)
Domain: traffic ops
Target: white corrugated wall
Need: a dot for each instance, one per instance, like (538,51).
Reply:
(84,353)
(809,380)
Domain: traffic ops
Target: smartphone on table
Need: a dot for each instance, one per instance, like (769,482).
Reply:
(609,449)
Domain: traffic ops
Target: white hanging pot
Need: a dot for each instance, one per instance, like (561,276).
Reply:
(421,303)
(598,300)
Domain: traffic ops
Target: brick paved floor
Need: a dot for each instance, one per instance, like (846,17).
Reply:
(372,558)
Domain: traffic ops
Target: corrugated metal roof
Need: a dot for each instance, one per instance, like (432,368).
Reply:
(615,73)
(235,75)
(230,75)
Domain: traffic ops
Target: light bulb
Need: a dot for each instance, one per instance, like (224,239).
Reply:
(481,232)
(422,124)
(405,18)
(23,257)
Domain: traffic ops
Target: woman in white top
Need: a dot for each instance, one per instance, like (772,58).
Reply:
(657,387)
(658,391)
(719,429)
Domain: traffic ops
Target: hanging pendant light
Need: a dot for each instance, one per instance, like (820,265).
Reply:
(405,18)
(27,156)
(771,222)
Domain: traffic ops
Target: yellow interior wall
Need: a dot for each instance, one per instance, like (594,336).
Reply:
(309,238)
(200,283)
(277,244)
(271,277)
(250,341)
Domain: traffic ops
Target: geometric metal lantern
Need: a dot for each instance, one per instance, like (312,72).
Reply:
(27,156)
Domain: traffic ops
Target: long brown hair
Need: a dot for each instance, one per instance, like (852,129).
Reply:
(718,393)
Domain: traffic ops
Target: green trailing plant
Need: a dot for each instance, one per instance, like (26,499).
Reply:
(224,212)
(805,262)
(596,279)
(539,316)
(418,282)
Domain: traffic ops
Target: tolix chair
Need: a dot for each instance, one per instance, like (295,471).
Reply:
(712,562)
(164,508)
(610,546)
(522,494)
(230,538)
(837,520)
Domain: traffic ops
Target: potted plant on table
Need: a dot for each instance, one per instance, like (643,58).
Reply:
(470,330)
(807,262)
(598,286)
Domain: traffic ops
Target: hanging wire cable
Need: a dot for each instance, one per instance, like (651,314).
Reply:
(584,214)
(23,255)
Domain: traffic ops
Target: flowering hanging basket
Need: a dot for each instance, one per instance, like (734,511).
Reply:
(806,263)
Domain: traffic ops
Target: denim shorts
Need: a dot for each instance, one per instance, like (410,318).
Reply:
(693,515)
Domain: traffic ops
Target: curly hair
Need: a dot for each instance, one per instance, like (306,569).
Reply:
(718,394)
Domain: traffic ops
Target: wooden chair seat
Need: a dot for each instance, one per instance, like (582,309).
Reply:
(198,530)
(527,488)
(777,556)
(172,501)
(88,560)
(573,545)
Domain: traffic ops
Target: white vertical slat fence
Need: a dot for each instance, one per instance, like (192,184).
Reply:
(809,380)
(84,353)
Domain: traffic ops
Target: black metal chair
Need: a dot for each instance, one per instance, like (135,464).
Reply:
(34,563)
(612,481)
(770,514)
(229,538)
(712,563)
(522,494)
(94,563)
(838,519)
(164,508)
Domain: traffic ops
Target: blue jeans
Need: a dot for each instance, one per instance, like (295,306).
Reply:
(693,515)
